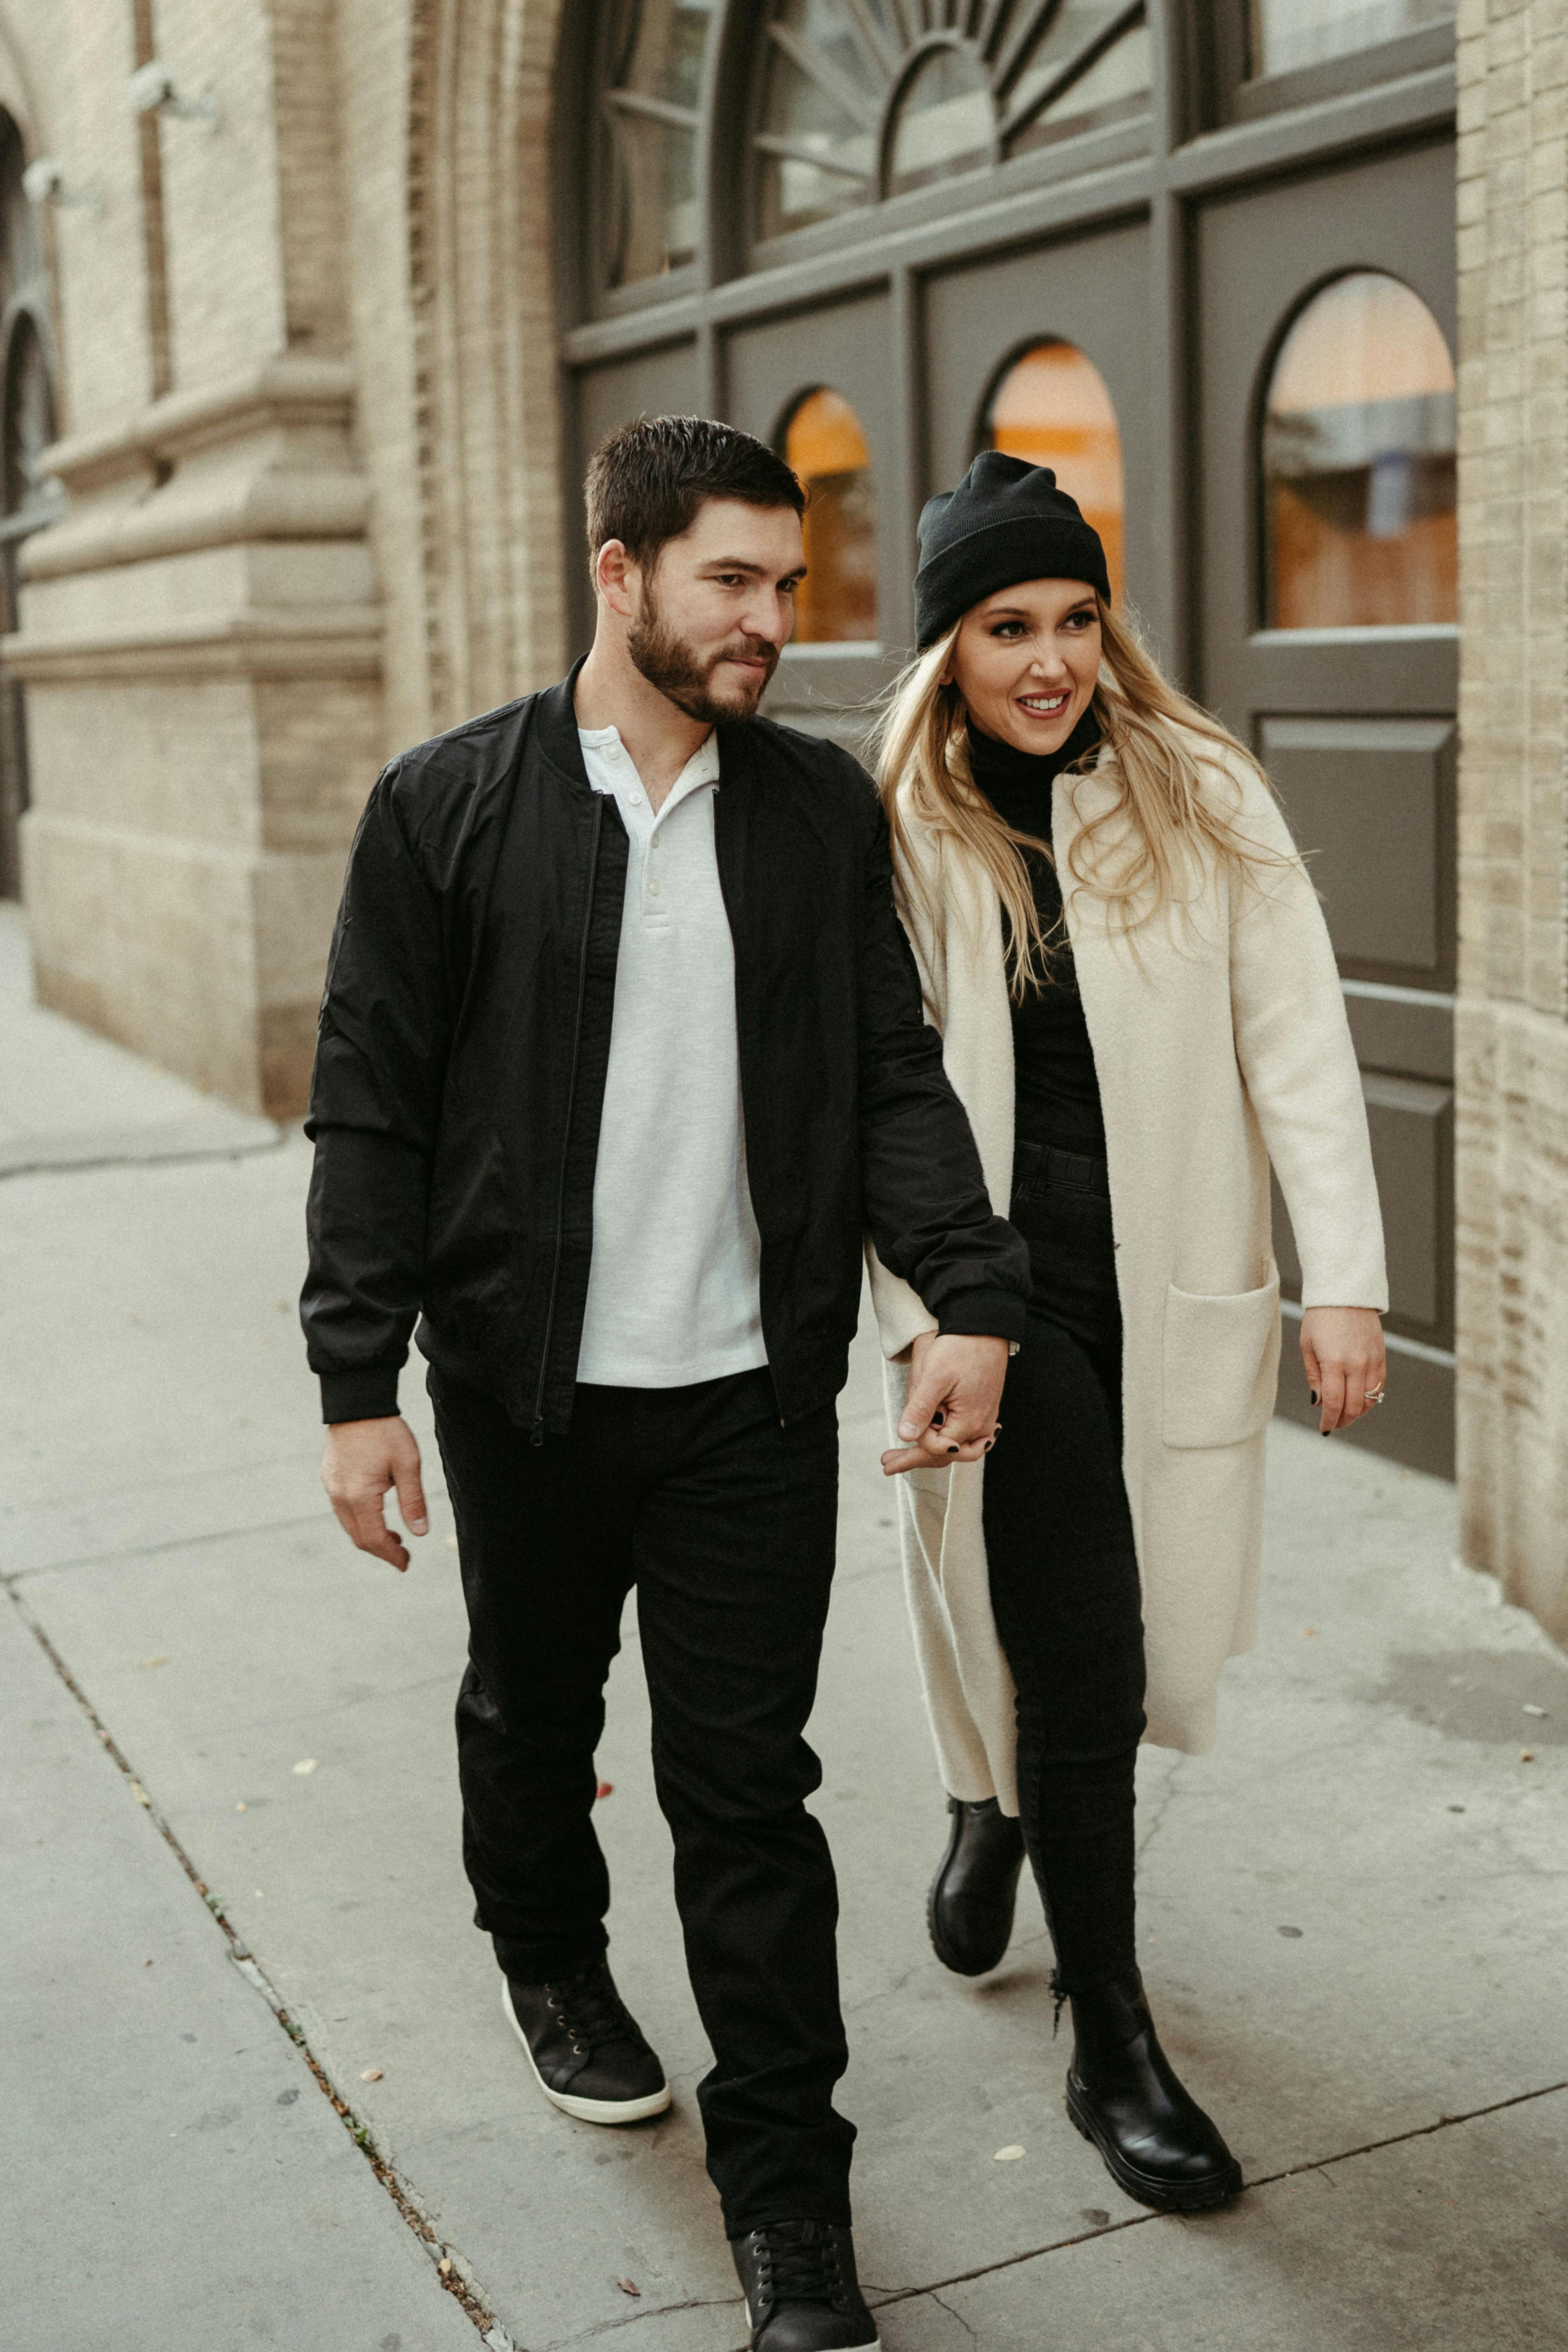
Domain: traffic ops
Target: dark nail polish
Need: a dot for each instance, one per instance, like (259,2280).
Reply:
(952,1449)
(1312,1393)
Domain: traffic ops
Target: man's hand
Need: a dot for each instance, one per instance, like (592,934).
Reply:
(955,1393)
(1341,1347)
(362,1460)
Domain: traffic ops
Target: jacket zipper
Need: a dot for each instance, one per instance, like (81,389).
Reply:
(537,1437)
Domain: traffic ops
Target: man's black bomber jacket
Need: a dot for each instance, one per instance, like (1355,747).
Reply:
(464,1037)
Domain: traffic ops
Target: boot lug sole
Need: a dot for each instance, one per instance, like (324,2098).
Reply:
(586,2111)
(1160,2196)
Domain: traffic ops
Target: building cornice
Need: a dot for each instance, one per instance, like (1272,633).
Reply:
(287,390)
(331,640)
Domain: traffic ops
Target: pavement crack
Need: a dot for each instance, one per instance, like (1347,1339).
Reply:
(450,2270)
(1168,1798)
(958,2315)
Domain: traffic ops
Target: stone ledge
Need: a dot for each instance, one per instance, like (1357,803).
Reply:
(287,390)
(333,640)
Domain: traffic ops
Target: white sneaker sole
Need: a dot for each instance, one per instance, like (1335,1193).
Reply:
(586,2111)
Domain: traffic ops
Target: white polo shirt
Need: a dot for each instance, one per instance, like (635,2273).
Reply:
(672,1292)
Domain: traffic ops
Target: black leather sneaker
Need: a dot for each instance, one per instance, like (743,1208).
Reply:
(970,1908)
(802,2291)
(586,2049)
(1125,2097)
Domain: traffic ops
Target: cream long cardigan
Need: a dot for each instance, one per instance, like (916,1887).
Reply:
(1220,1042)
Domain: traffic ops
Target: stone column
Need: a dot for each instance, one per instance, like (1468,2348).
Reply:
(200,636)
(1512,1028)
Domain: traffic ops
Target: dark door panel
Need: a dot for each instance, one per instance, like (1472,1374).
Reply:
(1371,801)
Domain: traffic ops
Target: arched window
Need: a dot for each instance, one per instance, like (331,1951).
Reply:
(865,99)
(1282,34)
(655,55)
(836,602)
(1358,463)
(1051,406)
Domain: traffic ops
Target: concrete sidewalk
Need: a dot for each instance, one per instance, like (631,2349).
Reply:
(1355,1910)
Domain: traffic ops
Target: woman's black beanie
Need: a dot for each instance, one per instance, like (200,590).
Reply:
(1006,521)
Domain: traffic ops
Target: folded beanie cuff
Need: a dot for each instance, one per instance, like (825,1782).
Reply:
(999,555)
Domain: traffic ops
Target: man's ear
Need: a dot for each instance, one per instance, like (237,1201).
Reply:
(613,571)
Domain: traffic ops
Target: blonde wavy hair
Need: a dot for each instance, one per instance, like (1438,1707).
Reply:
(920,745)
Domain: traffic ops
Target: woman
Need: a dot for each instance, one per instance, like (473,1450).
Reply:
(1140,1009)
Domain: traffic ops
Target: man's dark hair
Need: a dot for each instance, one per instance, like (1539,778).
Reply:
(647,480)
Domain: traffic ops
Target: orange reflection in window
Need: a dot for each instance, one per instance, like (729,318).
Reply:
(1053,408)
(836,602)
(1358,463)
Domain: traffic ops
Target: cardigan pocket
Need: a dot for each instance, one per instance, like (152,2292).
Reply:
(1221,1364)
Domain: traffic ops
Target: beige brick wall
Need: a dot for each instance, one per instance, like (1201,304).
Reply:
(1513,1138)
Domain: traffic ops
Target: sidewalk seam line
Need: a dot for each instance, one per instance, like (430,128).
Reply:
(170,1543)
(1264,2180)
(455,2281)
(200,1156)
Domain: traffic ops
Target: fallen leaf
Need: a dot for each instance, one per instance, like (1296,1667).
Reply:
(1009,2154)
(305,1764)
(163,1662)
(1526,1755)
(139,1793)
(628,2286)
(240,1807)
(371,2075)
(1540,1711)
(1311,1631)
(605,1789)
(445,2266)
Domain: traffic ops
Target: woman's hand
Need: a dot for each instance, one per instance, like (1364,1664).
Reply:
(1341,1347)
(950,1413)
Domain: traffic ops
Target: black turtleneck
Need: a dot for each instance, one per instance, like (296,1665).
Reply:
(1057,1092)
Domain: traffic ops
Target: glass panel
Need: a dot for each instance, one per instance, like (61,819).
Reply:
(836,602)
(1052,407)
(818,126)
(1286,33)
(1075,23)
(946,122)
(1117,83)
(1358,463)
(656,77)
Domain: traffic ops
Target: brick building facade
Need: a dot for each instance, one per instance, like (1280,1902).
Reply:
(301,330)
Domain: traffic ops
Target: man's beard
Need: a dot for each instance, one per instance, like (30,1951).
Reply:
(671,664)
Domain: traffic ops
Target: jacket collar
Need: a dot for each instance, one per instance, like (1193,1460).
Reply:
(556,720)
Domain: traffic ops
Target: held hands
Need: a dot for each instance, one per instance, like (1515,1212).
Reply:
(955,1393)
(1341,1347)
(362,1460)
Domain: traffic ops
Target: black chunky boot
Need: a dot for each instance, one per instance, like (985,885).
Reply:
(801,2292)
(1123,2093)
(969,1911)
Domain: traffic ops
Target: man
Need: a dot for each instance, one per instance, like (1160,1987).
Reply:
(620,1054)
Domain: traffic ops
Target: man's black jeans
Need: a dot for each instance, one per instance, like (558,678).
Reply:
(1064,1569)
(726,1523)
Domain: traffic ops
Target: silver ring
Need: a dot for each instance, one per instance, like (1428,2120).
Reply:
(1374,1396)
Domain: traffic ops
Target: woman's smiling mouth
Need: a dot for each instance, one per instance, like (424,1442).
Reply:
(1044,706)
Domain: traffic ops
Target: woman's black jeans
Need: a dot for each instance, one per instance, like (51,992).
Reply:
(1063,1571)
